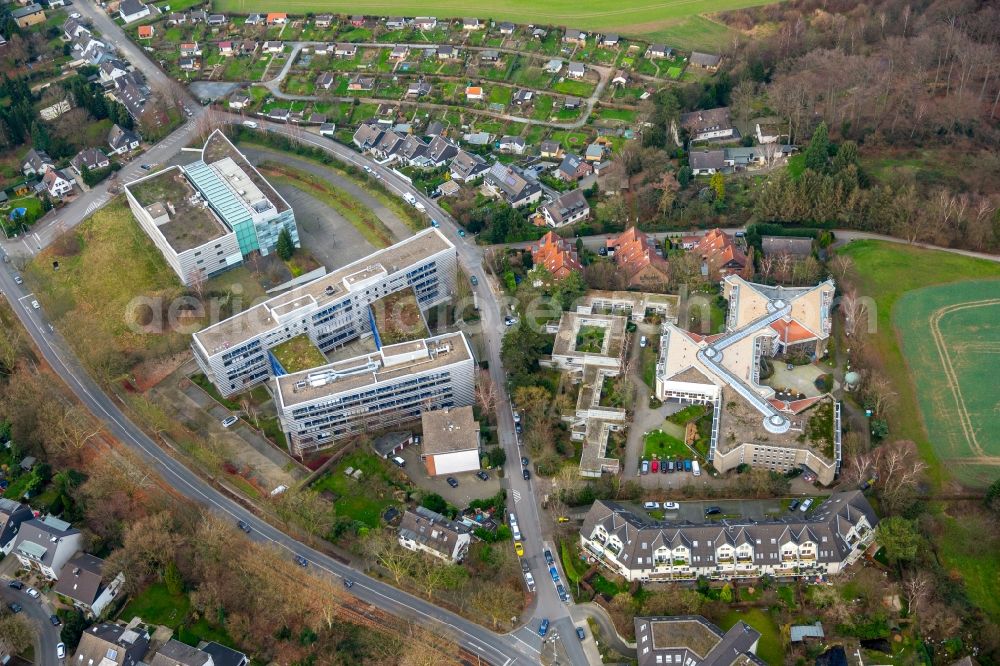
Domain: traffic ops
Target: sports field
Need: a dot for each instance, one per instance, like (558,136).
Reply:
(909,286)
(678,22)
(950,336)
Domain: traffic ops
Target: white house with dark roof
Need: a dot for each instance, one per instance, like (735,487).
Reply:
(12,514)
(132,10)
(467,167)
(82,580)
(569,208)
(37,162)
(46,545)
(511,186)
(58,183)
(122,140)
(429,532)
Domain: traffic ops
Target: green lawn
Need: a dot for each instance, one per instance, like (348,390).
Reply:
(157,606)
(769,648)
(796,165)
(664,446)
(363,500)
(616,114)
(575,88)
(969,545)
(499,95)
(298,354)
(676,21)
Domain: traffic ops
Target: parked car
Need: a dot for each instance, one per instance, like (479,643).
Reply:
(18,279)
(529,580)
(519,548)
(517,417)
(524,461)
(435,224)
(547,554)
(671,506)
(655,466)
(651,505)
(483,475)
(518,429)
(15,607)
(301,561)
(399,461)
(367,168)
(805,505)
(461,232)
(643,341)
(452,481)
(713,511)
(54,619)
(229,421)
(580,633)
(35,304)
(687,465)
(645,467)
(33,593)
(562,592)
(554,573)
(15,584)
(794,505)
(474,280)
(145,167)
(543,628)
(663,467)
(670,466)
(243,525)
(61,650)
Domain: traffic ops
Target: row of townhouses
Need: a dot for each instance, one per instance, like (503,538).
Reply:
(826,542)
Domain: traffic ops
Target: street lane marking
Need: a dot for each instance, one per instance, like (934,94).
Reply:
(516,494)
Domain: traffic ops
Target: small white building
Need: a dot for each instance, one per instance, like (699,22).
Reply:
(429,532)
(451,441)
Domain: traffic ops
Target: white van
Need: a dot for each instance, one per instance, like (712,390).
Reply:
(251,124)
(399,461)
(695,468)
(410,199)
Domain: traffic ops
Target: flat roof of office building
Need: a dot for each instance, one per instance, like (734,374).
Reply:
(191,223)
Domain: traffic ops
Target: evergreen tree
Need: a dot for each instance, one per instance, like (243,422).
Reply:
(818,150)
(285,247)
(40,137)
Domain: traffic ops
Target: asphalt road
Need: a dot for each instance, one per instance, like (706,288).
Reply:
(37,613)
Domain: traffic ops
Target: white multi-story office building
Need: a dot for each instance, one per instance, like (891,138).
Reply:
(331,310)
(826,542)
(394,385)
(207,216)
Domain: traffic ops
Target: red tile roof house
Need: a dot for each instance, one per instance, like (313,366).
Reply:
(557,255)
(635,254)
(722,257)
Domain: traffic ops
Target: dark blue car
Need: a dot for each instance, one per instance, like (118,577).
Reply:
(554,573)
(543,628)
(687,465)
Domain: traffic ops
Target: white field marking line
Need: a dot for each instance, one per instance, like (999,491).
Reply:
(963,414)
(527,645)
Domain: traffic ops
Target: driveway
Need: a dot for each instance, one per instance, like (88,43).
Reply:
(36,612)
(470,487)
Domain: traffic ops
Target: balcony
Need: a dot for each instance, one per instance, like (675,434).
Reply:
(788,558)
(680,563)
(743,560)
(725,560)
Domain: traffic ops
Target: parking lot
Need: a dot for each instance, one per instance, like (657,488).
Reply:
(469,486)
(694,510)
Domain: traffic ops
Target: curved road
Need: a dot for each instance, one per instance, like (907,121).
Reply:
(36,612)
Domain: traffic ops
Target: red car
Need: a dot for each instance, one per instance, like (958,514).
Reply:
(656,466)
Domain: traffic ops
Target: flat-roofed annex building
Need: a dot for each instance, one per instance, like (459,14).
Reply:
(209,215)
(751,423)
(331,310)
(394,385)
(450,441)
(692,640)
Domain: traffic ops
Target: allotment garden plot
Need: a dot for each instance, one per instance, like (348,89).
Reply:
(950,336)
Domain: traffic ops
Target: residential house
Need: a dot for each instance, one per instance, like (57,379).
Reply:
(146,32)
(72,29)
(110,644)
(37,162)
(446,52)
(474,93)
(574,36)
(177,18)
(768,133)
(478,138)
(797,247)
(659,51)
(190,49)
(595,152)
(273,46)
(721,256)
(29,15)
(399,52)
(316,118)
(571,102)
(198,16)
(511,186)
(427,531)
(706,162)
(388,145)
(227,49)
(12,515)
(435,128)
(569,208)
(131,11)
(551,150)
(412,150)
(345,50)
(323,21)
(609,40)
(489,55)
(691,639)
(46,544)
(467,167)
(512,144)
(94,51)
(367,136)
(224,656)
(471,24)
(122,140)
(249,46)
(573,168)
(58,183)
(637,258)
(576,70)
(709,125)
(522,97)
(189,64)
(325,80)
(82,580)
(620,78)
(130,95)
(175,653)
(361,84)
(395,23)
(449,188)
(826,542)
(539,34)
(708,61)
(450,442)
(278,114)
(425,23)
(358,21)
(553,66)
(323,49)
(277,18)
(418,89)
(439,152)
(216,20)
(92,159)
(556,254)
(255,19)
